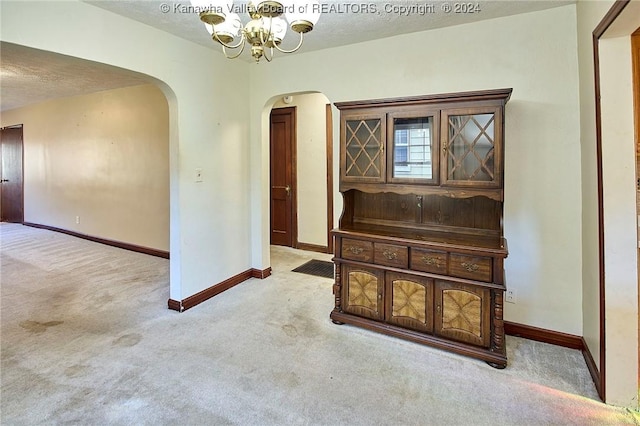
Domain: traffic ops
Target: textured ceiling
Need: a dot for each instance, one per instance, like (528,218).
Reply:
(346,22)
(29,76)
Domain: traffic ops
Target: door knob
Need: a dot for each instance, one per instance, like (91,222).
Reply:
(288,189)
(4,180)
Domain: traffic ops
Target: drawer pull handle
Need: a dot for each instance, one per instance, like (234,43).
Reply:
(431,260)
(471,267)
(390,255)
(355,250)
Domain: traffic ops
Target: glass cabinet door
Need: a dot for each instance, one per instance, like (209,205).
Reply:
(412,147)
(363,149)
(471,151)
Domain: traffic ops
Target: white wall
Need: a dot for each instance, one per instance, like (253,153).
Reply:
(101,157)
(533,53)
(311,166)
(619,199)
(209,232)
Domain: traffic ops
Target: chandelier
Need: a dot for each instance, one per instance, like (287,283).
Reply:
(265,30)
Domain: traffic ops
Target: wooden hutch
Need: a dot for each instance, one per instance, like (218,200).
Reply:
(419,251)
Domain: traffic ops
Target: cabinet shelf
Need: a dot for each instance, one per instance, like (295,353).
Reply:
(494,194)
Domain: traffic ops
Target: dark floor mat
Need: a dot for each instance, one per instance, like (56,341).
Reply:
(319,268)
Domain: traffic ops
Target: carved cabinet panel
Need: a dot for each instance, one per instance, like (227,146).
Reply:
(409,301)
(363,291)
(463,313)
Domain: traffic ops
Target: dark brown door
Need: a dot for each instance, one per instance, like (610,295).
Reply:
(11,197)
(283,205)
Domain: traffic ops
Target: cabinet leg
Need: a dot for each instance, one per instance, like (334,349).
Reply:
(498,366)
(335,321)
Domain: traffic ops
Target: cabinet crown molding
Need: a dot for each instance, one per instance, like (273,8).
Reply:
(480,95)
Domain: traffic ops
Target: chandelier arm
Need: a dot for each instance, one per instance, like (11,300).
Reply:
(266,56)
(270,34)
(292,50)
(224,50)
(229,46)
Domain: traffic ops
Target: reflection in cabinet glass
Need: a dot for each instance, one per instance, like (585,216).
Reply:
(412,148)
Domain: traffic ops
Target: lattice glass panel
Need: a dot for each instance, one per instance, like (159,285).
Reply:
(471,148)
(363,148)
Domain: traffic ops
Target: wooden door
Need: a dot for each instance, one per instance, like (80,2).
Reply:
(11,195)
(283,196)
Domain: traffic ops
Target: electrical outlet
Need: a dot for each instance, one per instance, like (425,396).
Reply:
(510,297)
(77,219)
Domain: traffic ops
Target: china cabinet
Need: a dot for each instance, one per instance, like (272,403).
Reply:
(420,250)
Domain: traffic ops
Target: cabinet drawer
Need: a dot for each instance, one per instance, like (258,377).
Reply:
(357,250)
(391,255)
(473,267)
(429,261)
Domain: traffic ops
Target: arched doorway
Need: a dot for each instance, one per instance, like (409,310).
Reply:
(301,172)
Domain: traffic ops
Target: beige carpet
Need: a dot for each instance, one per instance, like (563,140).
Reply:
(87,339)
